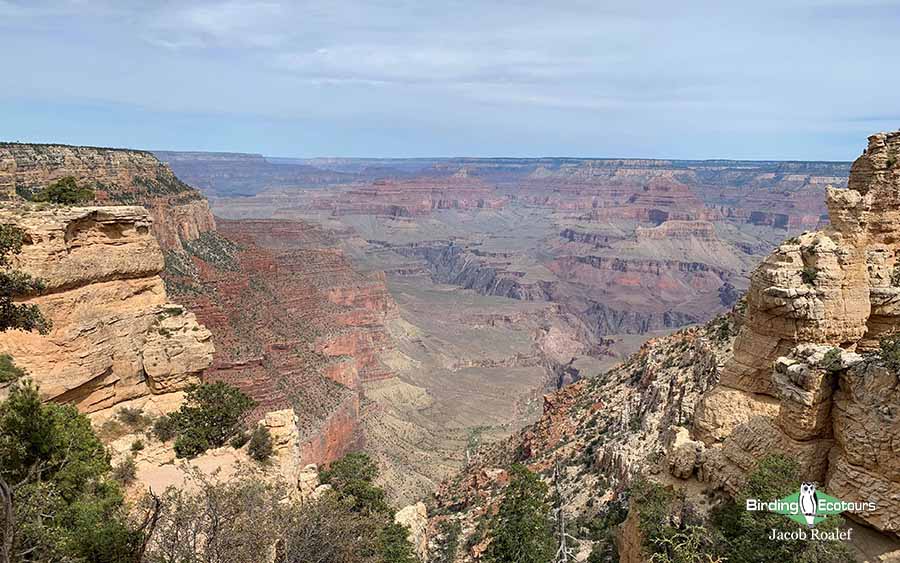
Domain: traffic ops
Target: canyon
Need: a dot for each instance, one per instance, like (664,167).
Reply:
(544,271)
(797,368)
(461,314)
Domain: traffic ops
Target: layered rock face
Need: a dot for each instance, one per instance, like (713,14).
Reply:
(812,305)
(118,177)
(115,336)
(298,328)
(409,198)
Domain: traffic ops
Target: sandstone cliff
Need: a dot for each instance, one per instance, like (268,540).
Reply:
(115,336)
(796,376)
(118,176)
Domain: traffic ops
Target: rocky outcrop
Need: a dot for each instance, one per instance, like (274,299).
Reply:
(796,384)
(115,336)
(415,518)
(118,176)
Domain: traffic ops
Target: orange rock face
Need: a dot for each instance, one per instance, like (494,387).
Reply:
(115,336)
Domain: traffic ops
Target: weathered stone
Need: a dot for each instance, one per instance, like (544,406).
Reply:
(415,518)
(684,454)
(118,176)
(810,305)
(115,337)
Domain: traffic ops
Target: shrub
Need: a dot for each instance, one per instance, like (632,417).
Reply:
(351,477)
(8,369)
(687,545)
(832,360)
(449,546)
(190,444)
(64,192)
(522,532)
(66,505)
(134,418)
(354,466)
(137,445)
(125,471)
(164,428)
(239,440)
(890,353)
(895,276)
(393,545)
(602,529)
(775,476)
(260,447)
(809,275)
(14,283)
(212,413)
(111,430)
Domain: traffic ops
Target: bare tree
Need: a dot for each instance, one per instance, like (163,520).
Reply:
(564,553)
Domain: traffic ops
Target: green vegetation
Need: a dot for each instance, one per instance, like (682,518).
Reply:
(890,352)
(8,369)
(212,413)
(732,533)
(809,275)
(832,360)
(164,428)
(215,250)
(125,471)
(393,547)
(663,535)
(239,440)
(673,531)
(687,545)
(721,328)
(447,549)
(601,529)
(352,477)
(14,284)
(891,159)
(161,184)
(134,418)
(260,447)
(64,192)
(55,477)
(522,531)
(137,445)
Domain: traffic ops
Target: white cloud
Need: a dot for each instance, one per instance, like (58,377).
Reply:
(235,23)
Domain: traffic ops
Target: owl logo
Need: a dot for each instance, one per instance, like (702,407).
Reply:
(809,502)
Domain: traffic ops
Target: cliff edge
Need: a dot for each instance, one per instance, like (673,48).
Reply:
(801,380)
(115,336)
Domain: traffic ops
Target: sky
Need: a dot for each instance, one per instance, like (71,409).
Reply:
(767,79)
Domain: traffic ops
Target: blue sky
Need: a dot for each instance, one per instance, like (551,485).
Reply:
(781,79)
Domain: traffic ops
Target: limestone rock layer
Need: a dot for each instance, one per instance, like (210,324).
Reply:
(118,177)
(115,336)
(801,381)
